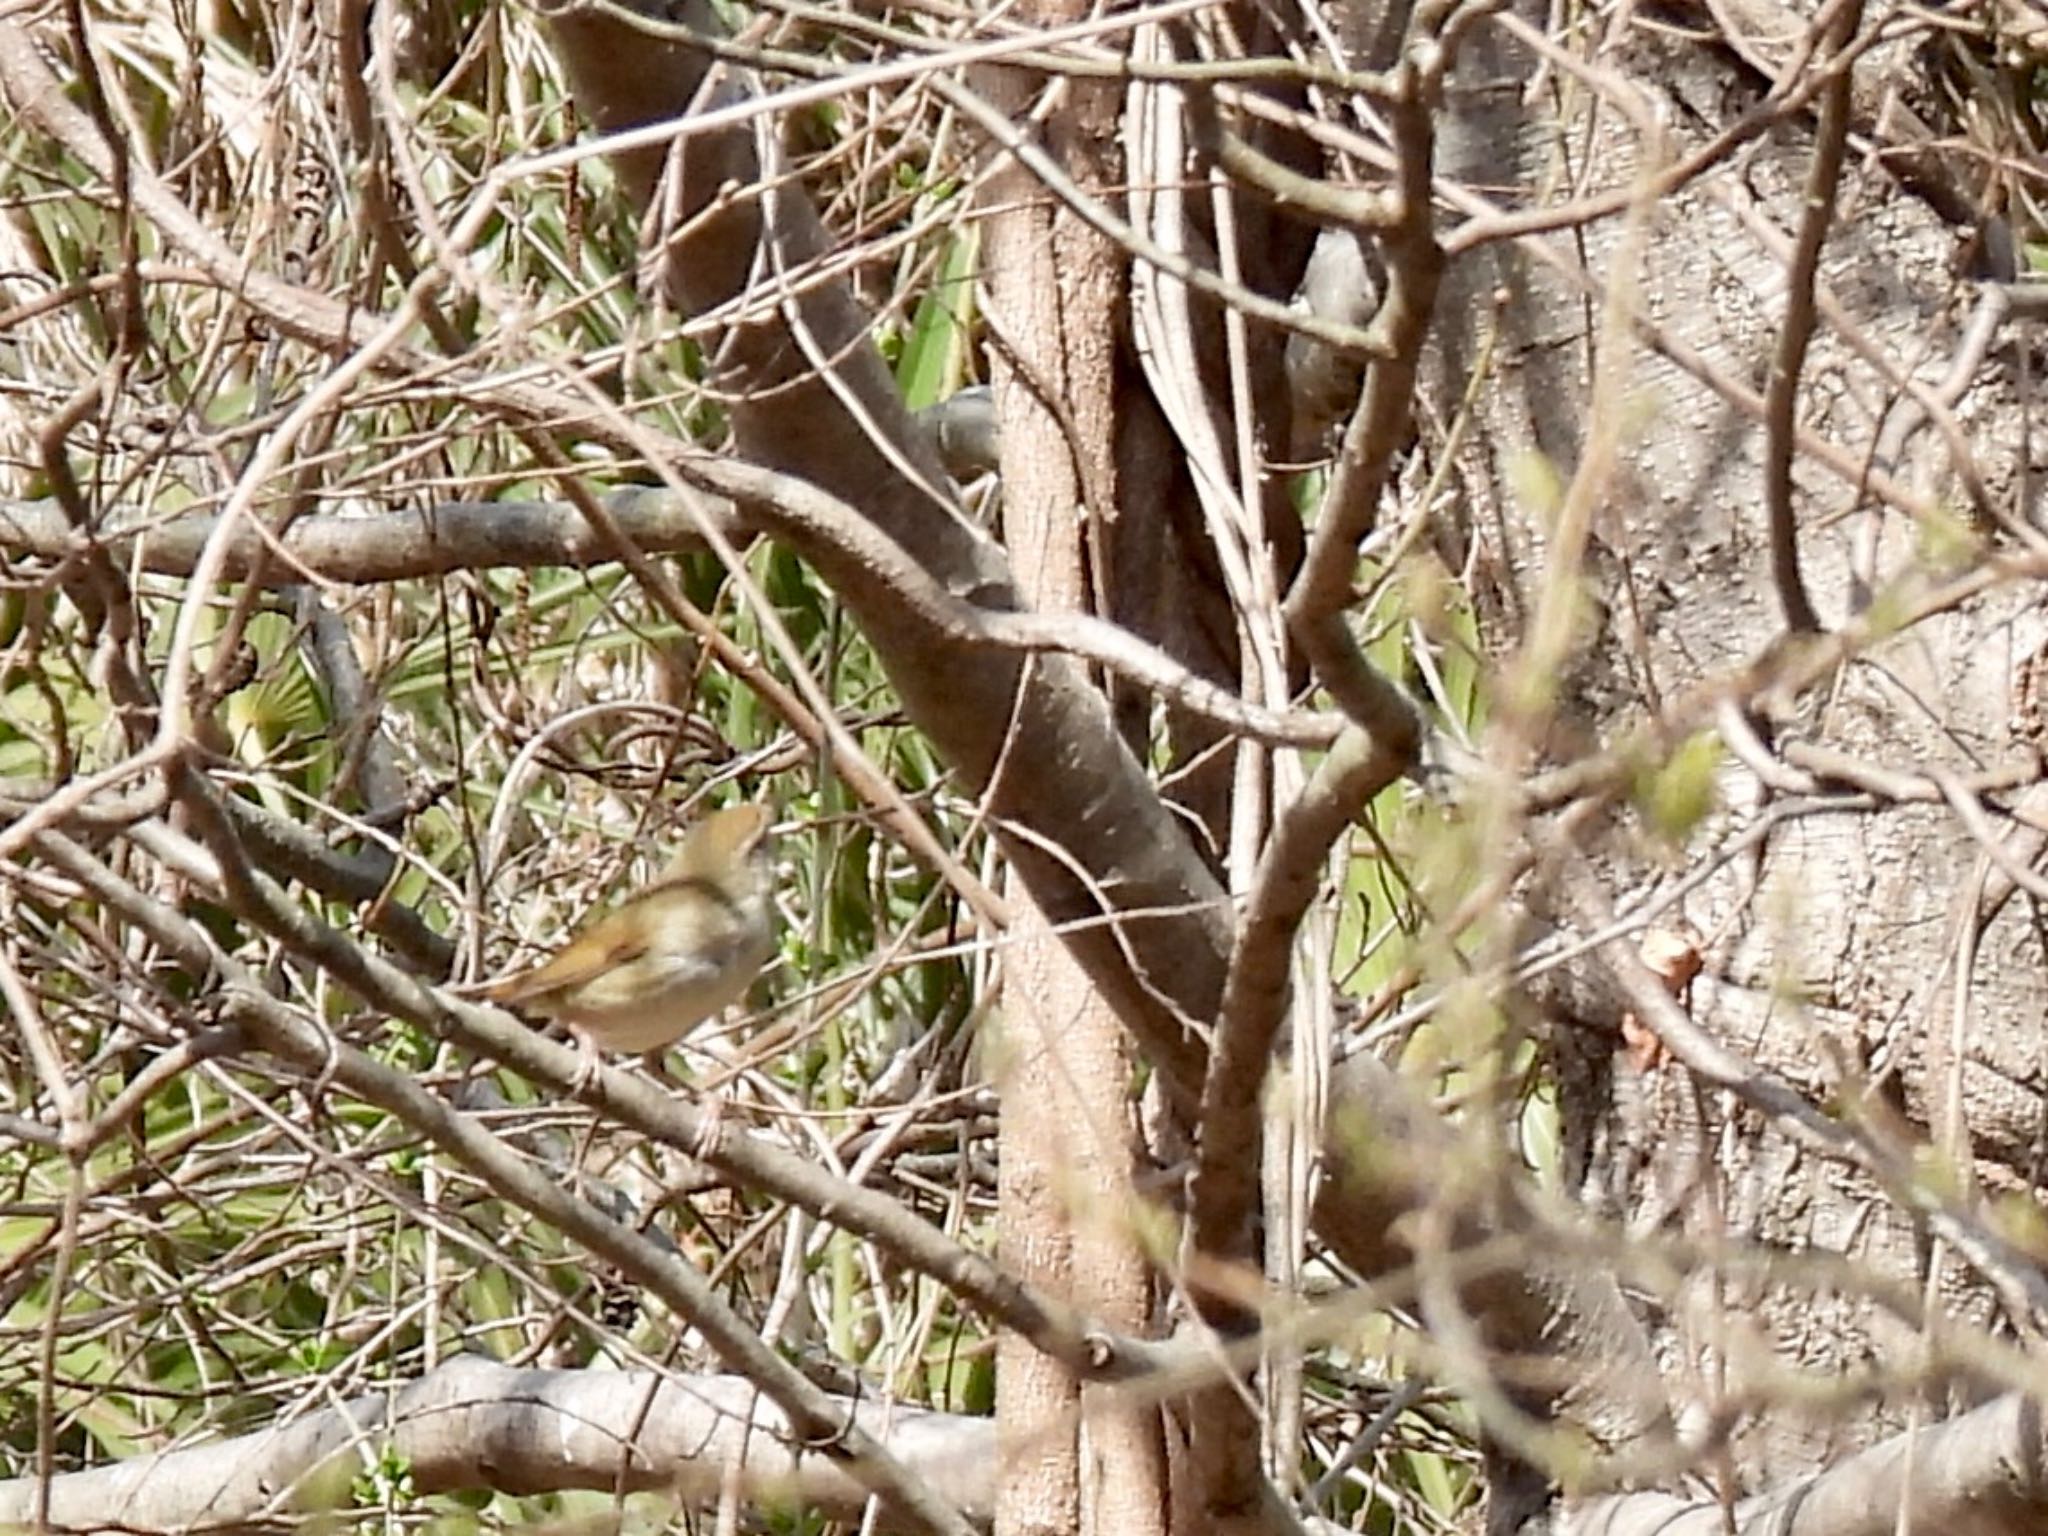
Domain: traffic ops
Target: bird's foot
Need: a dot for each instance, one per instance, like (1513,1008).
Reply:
(588,1064)
(710,1127)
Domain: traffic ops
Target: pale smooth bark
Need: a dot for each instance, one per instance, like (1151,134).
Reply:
(476,1424)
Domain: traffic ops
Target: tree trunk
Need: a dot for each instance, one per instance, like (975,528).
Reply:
(1073,1459)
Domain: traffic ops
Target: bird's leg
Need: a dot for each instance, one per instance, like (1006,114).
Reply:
(588,1061)
(709,1129)
(714,1106)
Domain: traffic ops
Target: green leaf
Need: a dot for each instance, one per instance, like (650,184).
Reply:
(936,352)
(1678,795)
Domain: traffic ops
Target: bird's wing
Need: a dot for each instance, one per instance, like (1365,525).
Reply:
(581,959)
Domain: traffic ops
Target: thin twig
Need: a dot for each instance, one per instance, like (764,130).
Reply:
(1781,396)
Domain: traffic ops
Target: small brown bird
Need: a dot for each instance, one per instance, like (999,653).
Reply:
(671,956)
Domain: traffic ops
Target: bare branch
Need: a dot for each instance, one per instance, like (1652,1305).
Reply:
(815,1419)
(474,1424)
(751,1161)
(383,547)
(1984,1472)
(1781,399)
(1256,996)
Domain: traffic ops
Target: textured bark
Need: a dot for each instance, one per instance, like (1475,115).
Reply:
(1038,1490)
(1887,966)
(1833,948)
(1071,1458)
(473,1424)
(1041,725)
(1074,1460)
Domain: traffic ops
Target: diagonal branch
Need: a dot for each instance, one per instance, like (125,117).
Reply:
(815,1419)
(810,397)
(1256,996)
(750,1161)
(1069,782)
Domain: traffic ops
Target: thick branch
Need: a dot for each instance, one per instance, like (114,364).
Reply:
(740,498)
(393,546)
(476,1425)
(1982,1474)
(811,397)
(1079,817)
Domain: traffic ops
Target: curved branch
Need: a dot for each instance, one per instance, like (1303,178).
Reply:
(1068,781)
(810,396)
(1984,1472)
(1255,997)
(1781,397)
(1402,218)
(473,1424)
